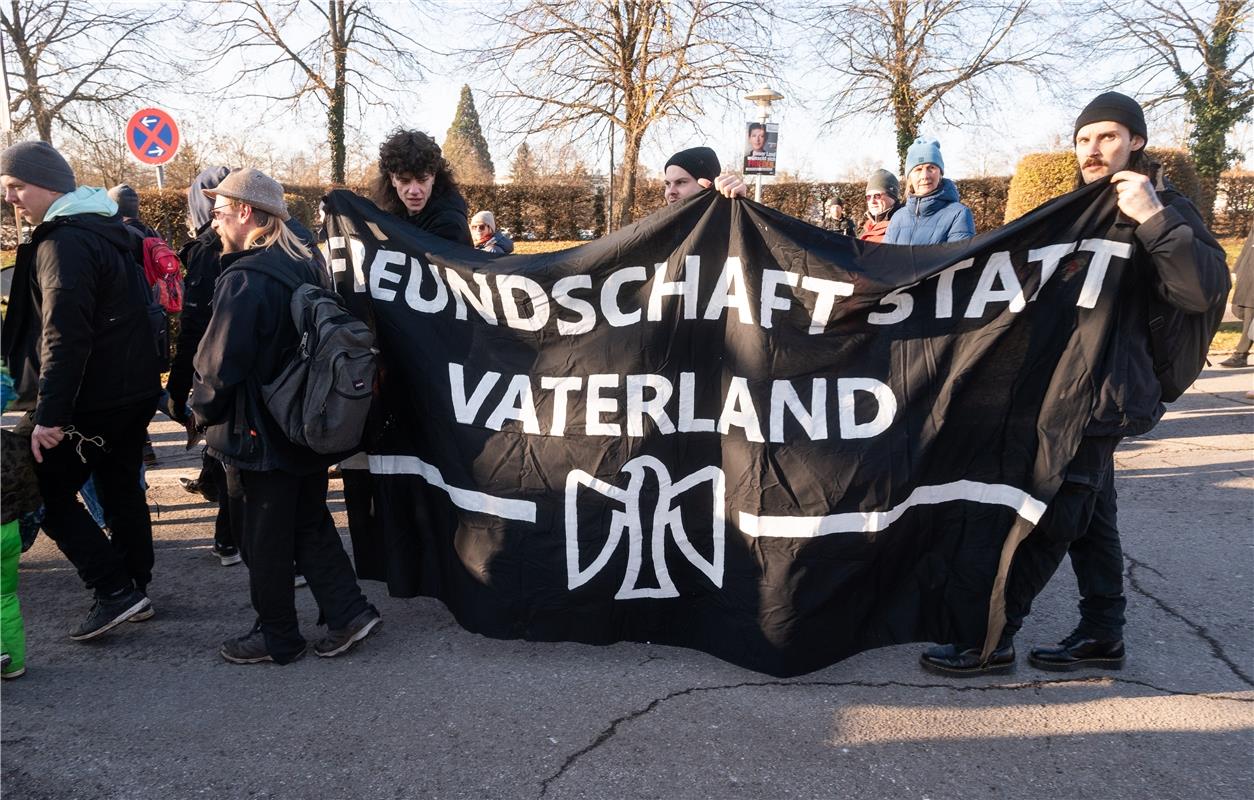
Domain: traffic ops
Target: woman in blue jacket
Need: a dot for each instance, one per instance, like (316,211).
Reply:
(932,214)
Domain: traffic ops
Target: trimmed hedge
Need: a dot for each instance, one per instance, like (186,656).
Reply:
(1234,204)
(571,212)
(986,197)
(1043,176)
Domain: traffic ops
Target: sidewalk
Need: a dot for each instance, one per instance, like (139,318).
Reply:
(425,709)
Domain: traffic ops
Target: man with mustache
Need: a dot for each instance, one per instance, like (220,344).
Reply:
(1177,259)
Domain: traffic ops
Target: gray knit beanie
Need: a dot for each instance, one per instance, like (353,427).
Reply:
(127,200)
(884,181)
(39,164)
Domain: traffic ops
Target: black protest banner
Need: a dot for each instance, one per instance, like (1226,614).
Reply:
(723,428)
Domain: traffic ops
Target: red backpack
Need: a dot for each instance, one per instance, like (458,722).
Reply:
(164,274)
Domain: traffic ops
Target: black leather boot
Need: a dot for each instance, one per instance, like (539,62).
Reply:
(958,662)
(1078,651)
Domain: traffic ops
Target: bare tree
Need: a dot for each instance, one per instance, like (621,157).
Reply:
(628,64)
(355,54)
(70,60)
(915,57)
(1196,53)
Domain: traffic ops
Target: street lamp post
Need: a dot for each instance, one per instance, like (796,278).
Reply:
(762,97)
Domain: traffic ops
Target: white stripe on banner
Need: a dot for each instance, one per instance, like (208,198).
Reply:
(523,510)
(999,494)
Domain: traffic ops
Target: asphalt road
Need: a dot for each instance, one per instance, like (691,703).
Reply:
(426,710)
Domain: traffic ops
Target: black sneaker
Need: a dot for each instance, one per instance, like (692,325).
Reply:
(144,615)
(250,649)
(228,554)
(340,641)
(107,614)
(958,662)
(1078,651)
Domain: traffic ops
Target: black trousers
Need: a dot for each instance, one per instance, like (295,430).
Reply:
(287,528)
(108,446)
(229,523)
(1081,521)
(363,525)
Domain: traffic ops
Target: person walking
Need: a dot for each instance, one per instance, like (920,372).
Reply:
(79,343)
(1243,303)
(249,340)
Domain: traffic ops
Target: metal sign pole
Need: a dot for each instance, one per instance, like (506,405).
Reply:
(160,176)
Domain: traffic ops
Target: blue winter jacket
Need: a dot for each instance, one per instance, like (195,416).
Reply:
(932,219)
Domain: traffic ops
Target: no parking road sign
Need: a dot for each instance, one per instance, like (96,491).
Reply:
(152,136)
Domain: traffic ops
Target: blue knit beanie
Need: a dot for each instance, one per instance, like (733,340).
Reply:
(924,151)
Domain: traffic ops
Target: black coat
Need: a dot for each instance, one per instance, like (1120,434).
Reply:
(445,215)
(249,339)
(77,336)
(1178,259)
(200,257)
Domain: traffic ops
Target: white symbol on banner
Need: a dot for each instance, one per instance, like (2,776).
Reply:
(666,516)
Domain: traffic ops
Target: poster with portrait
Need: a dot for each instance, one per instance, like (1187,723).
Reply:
(761,146)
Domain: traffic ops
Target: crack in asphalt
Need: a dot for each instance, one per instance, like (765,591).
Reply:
(611,730)
(1216,648)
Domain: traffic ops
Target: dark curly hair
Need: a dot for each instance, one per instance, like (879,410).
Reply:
(414,153)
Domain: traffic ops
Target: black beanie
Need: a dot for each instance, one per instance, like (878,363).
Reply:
(127,200)
(699,162)
(1113,107)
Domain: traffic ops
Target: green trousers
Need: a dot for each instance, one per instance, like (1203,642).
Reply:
(12,631)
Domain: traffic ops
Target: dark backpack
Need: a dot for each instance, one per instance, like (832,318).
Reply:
(1179,340)
(322,396)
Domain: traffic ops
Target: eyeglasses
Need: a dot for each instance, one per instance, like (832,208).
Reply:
(220,212)
(876,196)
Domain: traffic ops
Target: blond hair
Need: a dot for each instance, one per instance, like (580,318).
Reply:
(270,230)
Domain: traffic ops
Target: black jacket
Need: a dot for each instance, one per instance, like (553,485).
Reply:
(445,215)
(1177,258)
(200,258)
(250,338)
(77,337)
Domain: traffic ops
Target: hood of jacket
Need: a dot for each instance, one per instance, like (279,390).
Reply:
(90,214)
(929,204)
(199,207)
(83,200)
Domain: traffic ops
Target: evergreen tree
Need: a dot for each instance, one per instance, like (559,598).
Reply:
(524,169)
(465,147)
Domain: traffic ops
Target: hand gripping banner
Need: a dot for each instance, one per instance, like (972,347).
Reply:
(723,428)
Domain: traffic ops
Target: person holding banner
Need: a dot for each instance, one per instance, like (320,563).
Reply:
(1184,266)
(689,171)
(416,183)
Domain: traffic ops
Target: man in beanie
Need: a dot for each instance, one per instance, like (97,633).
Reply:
(1178,260)
(933,214)
(79,344)
(836,219)
(689,171)
(882,193)
(247,344)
